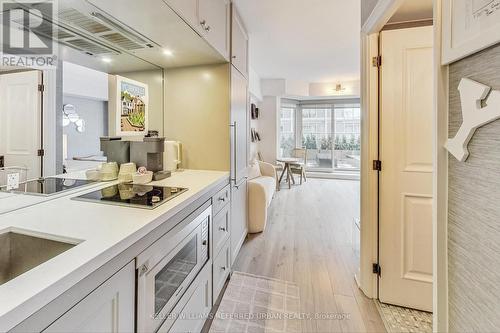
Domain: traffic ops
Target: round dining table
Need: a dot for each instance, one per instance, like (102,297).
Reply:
(287,161)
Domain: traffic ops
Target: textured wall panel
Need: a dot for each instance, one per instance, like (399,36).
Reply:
(474,209)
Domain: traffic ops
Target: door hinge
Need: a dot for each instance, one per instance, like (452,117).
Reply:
(377,165)
(377,61)
(41,88)
(41,152)
(376,269)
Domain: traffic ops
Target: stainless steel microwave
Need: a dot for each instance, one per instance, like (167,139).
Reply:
(166,269)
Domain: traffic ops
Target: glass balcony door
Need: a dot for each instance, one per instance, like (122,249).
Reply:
(330,132)
(317,137)
(347,144)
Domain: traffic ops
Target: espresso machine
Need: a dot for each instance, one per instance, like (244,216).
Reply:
(148,153)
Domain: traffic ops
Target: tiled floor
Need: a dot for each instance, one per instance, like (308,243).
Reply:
(403,320)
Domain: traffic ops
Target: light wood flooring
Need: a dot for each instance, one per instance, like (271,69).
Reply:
(308,241)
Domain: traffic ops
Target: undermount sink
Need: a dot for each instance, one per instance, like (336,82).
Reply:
(19,253)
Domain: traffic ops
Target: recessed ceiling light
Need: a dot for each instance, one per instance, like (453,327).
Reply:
(106,60)
(168,52)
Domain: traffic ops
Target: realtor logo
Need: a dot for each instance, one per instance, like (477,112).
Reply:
(27,33)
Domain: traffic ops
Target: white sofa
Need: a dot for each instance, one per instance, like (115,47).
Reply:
(261,189)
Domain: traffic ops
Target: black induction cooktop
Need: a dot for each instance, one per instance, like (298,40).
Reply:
(49,186)
(130,195)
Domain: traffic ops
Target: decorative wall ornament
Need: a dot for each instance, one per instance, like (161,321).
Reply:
(480,106)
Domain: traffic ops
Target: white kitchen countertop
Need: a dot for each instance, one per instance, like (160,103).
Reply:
(104,231)
(10,201)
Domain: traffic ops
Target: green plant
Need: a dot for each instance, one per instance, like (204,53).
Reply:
(326,143)
(137,118)
(352,144)
(309,142)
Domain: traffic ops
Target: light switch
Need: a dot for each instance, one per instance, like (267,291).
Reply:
(12,181)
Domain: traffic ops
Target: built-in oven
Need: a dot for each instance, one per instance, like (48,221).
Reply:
(166,269)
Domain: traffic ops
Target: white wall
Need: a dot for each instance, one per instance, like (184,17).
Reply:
(81,81)
(352,89)
(254,85)
(268,128)
(297,88)
(273,87)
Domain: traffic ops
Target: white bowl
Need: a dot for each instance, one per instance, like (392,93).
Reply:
(142,179)
(127,170)
(107,176)
(93,175)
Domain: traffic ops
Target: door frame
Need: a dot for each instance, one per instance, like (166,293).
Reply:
(367,281)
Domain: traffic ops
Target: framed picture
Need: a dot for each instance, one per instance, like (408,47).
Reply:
(131,103)
(468,27)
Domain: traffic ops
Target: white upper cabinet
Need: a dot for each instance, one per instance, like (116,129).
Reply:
(146,29)
(187,10)
(239,44)
(214,19)
(210,18)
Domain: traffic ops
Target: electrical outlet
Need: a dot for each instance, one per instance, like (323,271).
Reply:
(12,181)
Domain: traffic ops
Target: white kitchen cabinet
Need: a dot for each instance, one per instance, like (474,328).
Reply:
(187,10)
(239,43)
(215,21)
(221,269)
(239,213)
(210,18)
(221,228)
(109,308)
(239,123)
(193,308)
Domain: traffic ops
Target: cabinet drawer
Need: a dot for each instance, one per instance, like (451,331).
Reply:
(221,269)
(220,200)
(109,308)
(220,231)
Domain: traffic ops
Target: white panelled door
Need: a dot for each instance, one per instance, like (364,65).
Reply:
(406,94)
(20,121)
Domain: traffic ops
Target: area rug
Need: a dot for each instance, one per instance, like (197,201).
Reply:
(257,304)
(404,320)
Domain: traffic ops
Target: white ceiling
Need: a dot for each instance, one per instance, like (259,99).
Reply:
(307,40)
(413,10)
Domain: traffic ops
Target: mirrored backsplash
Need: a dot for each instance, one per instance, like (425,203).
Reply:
(106,78)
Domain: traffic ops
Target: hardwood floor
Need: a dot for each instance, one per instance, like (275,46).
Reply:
(308,241)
